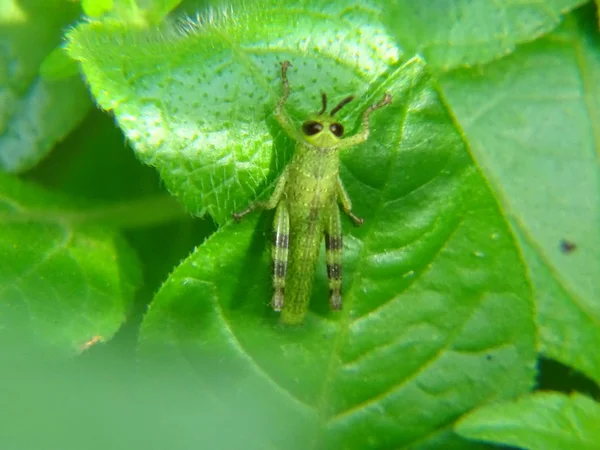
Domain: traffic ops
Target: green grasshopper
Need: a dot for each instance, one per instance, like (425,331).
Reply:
(306,196)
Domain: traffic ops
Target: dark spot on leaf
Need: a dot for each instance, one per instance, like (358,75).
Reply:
(567,246)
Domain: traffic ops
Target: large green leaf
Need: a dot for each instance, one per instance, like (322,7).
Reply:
(544,421)
(203,116)
(535,134)
(35,113)
(437,315)
(64,284)
(454,33)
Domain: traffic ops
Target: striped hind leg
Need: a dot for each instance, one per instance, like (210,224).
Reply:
(333,255)
(279,252)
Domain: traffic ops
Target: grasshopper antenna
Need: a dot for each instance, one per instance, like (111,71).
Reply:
(324,100)
(341,104)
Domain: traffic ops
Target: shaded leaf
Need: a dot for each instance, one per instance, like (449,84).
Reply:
(95,162)
(35,113)
(65,285)
(156,10)
(58,65)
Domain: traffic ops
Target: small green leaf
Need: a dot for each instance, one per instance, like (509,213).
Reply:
(534,133)
(139,12)
(96,8)
(543,421)
(437,314)
(65,285)
(156,10)
(197,102)
(58,64)
(453,33)
(35,113)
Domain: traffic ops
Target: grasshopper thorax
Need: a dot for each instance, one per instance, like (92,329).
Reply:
(322,129)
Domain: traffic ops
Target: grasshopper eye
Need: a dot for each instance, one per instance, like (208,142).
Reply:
(311,128)
(336,129)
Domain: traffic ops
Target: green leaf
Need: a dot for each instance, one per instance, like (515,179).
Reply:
(437,316)
(454,33)
(65,284)
(534,133)
(58,65)
(203,115)
(96,8)
(35,113)
(544,421)
(94,162)
(120,192)
(139,12)
(156,10)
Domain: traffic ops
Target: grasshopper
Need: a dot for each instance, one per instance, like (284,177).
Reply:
(306,196)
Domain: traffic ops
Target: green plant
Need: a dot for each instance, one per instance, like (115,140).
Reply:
(478,186)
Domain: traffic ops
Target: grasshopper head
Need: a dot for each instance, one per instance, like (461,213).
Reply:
(321,129)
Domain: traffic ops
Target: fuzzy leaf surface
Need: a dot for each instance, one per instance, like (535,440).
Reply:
(203,115)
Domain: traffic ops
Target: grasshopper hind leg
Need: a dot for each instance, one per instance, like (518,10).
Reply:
(281,243)
(333,255)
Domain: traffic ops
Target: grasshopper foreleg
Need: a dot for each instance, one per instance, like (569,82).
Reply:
(269,204)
